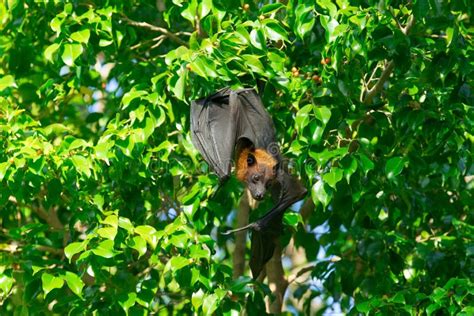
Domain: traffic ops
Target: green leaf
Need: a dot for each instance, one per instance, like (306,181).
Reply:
(333,177)
(98,200)
(139,244)
(105,249)
(398,298)
(241,285)
(254,63)
(210,304)
(125,223)
(198,252)
(292,219)
(179,86)
(70,53)
(74,282)
(304,20)
(189,13)
(145,230)
(176,263)
(366,163)
(330,6)
(203,67)
(3,169)
(107,232)
(56,24)
(82,164)
(7,82)
(50,50)
(127,300)
(271,8)
(330,26)
(204,8)
(131,95)
(81,36)
(257,39)
(6,284)
(394,167)
(323,114)
(432,308)
(111,220)
(78,143)
(73,248)
(363,307)
(321,193)
(104,43)
(148,233)
(326,155)
(275,31)
(51,282)
(197,299)
(302,117)
(103,151)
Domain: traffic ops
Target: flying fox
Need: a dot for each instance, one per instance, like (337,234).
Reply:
(233,125)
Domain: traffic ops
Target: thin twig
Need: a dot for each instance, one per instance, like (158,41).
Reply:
(387,71)
(158,43)
(304,270)
(155,28)
(156,39)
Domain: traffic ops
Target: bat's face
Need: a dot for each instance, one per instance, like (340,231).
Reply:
(257,168)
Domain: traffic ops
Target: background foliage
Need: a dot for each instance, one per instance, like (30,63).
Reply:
(106,206)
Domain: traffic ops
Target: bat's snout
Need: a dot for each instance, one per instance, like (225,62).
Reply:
(258,196)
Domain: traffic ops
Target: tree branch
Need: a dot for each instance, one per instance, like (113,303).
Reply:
(51,217)
(241,237)
(302,271)
(307,209)
(387,71)
(174,37)
(276,280)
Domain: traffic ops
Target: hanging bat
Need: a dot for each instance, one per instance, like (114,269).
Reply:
(233,125)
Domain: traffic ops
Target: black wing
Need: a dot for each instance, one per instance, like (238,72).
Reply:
(268,228)
(220,121)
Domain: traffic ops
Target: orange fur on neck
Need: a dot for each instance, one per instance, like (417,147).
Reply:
(262,157)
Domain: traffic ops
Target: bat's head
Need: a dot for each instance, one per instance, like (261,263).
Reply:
(257,168)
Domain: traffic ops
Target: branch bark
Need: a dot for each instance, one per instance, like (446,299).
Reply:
(241,237)
(51,217)
(388,69)
(172,36)
(307,209)
(277,281)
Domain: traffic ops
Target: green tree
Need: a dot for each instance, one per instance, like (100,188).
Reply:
(106,207)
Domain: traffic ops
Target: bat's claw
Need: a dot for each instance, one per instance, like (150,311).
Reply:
(253,226)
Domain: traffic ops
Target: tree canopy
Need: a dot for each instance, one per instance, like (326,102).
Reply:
(107,207)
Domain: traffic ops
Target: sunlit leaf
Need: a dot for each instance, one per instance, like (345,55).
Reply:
(74,282)
(81,36)
(70,53)
(51,282)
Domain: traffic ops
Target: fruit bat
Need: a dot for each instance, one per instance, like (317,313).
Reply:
(233,125)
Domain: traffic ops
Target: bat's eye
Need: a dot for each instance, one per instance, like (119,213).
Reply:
(250,160)
(255,178)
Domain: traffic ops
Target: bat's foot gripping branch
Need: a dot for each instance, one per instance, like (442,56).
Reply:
(254,226)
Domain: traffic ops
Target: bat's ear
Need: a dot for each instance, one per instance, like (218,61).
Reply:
(244,143)
(276,166)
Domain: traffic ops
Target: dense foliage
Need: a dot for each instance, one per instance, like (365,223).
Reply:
(107,207)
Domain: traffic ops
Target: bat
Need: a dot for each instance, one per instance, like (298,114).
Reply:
(233,125)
